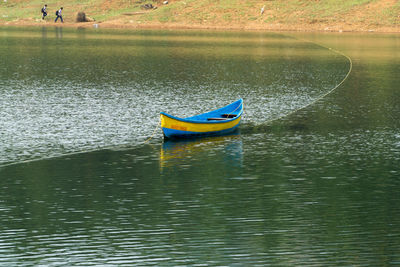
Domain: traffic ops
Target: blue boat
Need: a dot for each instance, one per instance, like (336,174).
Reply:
(217,122)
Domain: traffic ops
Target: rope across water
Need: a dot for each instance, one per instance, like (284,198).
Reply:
(328,92)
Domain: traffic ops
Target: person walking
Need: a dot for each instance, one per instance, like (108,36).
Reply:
(59,15)
(44,11)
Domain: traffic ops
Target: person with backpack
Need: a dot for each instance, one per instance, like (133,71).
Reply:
(44,11)
(58,14)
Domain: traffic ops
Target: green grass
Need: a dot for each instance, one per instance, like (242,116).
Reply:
(227,17)
(393,14)
(208,11)
(11,11)
(292,10)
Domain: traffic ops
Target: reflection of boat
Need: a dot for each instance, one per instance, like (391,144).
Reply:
(181,152)
(217,122)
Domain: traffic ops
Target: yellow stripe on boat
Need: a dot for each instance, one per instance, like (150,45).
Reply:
(167,122)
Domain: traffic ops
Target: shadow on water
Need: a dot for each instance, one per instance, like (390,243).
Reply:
(251,128)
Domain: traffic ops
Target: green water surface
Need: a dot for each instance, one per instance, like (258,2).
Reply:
(310,180)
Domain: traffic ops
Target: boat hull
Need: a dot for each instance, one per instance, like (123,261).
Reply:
(177,129)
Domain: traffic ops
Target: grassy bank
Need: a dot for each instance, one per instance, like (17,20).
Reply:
(335,15)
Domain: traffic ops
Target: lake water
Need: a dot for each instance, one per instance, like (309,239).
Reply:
(311,179)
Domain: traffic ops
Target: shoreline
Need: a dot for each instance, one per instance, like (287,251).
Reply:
(238,27)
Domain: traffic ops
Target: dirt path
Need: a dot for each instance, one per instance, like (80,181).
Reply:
(122,24)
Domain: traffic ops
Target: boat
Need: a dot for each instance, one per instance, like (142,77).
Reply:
(213,123)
